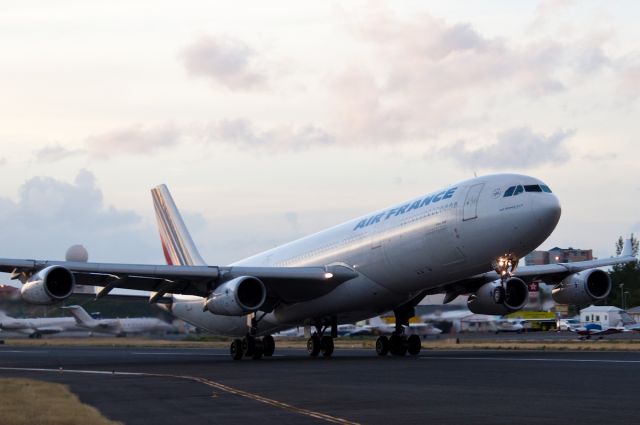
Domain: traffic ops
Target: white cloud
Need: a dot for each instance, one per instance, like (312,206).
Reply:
(243,134)
(56,152)
(134,139)
(50,215)
(224,61)
(518,146)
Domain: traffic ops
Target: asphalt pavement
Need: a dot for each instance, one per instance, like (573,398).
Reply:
(168,386)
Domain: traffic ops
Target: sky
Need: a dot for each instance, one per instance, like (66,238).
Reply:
(272,120)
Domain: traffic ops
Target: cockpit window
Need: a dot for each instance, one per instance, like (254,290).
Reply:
(516,190)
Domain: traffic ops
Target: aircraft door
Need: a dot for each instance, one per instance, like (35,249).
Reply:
(470,209)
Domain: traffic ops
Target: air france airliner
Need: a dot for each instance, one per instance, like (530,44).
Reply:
(462,239)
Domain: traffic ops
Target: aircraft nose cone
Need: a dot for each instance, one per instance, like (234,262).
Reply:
(548,211)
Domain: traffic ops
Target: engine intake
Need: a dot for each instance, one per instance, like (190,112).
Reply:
(237,297)
(491,298)
(584,287)
(48,286)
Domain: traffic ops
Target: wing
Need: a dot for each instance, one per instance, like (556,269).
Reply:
(284,284)
(548,273)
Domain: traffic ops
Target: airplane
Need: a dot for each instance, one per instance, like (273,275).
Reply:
(463,239)
(119,327)
(36,327)
(587,330)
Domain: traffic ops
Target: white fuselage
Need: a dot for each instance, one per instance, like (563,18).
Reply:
(128,326)
(402,250)
(40,325)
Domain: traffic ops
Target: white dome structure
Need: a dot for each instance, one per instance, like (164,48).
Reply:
(77,253)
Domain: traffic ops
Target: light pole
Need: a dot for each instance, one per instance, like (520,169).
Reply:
(626,296)
(621,295)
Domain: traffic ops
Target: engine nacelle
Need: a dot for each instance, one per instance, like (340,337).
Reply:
(492,299)
(50,285)
(584,287)
(237,297)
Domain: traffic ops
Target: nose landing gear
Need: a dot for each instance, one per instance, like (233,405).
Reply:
(505,265)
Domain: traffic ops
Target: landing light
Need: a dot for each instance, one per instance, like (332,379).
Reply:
(328,275)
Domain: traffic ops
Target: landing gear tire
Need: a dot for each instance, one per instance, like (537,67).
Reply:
(313,346)
(382,345)
(268,345)
(248,345)
(326,346)
(414,345)
(252,347)
(236,349)
(398,345)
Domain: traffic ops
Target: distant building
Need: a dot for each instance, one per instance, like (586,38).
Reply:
(558,255)
(634,313)
(605,315)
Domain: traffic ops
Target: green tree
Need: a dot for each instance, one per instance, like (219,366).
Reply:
(627,275)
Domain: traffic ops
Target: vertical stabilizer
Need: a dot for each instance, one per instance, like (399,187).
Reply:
(178,247)
(81,315)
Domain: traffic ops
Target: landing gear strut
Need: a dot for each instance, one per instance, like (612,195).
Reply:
(399,344)
(321,343)
(251,345)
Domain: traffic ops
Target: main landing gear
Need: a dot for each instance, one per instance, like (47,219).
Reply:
(319,343)
(399,344)
(251,345)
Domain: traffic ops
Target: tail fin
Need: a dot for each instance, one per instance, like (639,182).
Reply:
(80,314)
(178,247)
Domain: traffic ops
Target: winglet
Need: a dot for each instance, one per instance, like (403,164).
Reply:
(178,247)
(627,249)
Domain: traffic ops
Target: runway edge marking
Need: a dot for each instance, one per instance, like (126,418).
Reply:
(208,382)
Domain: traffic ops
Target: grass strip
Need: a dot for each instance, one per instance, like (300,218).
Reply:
(369,343)
(27,401)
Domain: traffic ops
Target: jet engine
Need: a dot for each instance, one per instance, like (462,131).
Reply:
(494,298)
(48,286)
(237,297)
(584,287)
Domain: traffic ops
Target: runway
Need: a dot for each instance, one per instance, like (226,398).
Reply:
(168,386)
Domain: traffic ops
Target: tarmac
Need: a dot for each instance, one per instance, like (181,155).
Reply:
(168,386)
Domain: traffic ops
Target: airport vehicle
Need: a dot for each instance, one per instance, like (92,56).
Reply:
(37,326)
(510,325)
(567,324)
(119,327)
(463,239)
(536,320)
